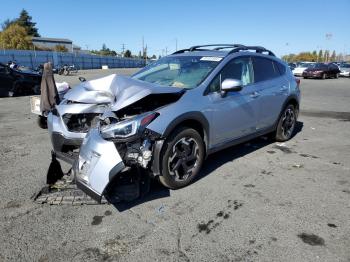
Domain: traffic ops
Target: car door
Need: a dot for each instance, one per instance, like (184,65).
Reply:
(5,80)
(273,87)
(234,114)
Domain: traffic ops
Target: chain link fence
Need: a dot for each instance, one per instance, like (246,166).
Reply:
(32,59)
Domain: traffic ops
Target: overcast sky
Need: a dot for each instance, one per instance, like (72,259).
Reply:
(282,26)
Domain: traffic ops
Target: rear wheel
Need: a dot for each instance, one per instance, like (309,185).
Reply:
(182,158)
(286,124)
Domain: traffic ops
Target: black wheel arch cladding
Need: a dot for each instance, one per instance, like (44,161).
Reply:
(195,120)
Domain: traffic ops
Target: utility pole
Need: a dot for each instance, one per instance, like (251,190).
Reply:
(166,50)
(123,48)
(143,47)
(175,44)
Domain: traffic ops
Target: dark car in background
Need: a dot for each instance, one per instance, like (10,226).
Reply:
(322,70)
(14,82)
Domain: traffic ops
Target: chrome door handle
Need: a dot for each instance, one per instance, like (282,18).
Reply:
(254,94)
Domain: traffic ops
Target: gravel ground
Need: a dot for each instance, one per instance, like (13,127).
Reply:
(254,202)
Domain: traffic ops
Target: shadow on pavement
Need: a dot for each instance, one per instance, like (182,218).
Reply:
(213,162)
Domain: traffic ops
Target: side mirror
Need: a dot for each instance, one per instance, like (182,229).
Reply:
(82,79)
(229,84)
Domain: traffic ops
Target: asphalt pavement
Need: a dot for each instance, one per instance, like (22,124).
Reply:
(259,201)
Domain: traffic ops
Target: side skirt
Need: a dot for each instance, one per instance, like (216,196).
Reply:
(240,140)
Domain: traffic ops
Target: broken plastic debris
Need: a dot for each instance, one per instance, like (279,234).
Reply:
(160,209)
(281,144)
(313,128)
(297,165)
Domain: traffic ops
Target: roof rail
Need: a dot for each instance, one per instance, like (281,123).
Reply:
(235,48)
(258,49)
(200,48)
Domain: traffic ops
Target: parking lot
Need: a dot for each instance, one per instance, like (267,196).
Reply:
(259,201)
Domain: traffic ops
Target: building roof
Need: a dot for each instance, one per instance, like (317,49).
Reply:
(54,40)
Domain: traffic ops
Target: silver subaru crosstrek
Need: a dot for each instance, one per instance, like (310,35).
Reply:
(176,111)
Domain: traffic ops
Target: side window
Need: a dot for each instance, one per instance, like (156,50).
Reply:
(281,68)
(264,69)
(239,68)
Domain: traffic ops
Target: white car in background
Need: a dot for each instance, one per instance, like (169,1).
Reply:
(298,71)
(345,70)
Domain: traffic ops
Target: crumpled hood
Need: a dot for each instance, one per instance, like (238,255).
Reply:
(96,91)
(127,91)
(119,91)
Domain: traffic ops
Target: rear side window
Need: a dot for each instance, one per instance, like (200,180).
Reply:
(281,68)
(264,69)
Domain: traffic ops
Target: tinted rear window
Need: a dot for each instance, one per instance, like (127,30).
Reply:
(281,68)
(264,69)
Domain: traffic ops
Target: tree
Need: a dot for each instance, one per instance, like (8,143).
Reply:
(6,24)
(326,56)
(127,53)
(60,48)
(105,51)
(15,37)
(25,20)
(320,56)
(333,56)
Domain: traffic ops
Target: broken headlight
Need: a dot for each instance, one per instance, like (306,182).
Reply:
(129,127)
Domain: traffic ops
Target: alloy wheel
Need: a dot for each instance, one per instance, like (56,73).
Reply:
(288,122)
(184,158)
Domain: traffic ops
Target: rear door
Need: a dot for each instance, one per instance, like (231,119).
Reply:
(235,114)
(273,88)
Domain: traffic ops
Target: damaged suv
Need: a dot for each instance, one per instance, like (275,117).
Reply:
(173,113)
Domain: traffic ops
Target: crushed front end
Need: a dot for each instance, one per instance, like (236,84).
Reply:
(116,145)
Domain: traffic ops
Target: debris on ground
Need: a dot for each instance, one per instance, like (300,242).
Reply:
(297,165)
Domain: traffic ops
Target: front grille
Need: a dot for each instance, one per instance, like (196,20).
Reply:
(80,123)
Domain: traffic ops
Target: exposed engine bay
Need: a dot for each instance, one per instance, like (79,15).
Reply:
(137,150)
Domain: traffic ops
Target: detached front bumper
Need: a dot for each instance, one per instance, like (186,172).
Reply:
(59,134)
(98,163)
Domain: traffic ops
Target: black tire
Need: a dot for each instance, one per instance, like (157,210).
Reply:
(15,90)
(36,90)
(286,124)
(181,158)
(323,76)
(336,75)
(42,122)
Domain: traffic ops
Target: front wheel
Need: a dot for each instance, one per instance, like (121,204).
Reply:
(182,158)
(286,124)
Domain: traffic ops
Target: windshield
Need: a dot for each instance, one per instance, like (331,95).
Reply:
(318,66)
(178,71)
(305,64)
